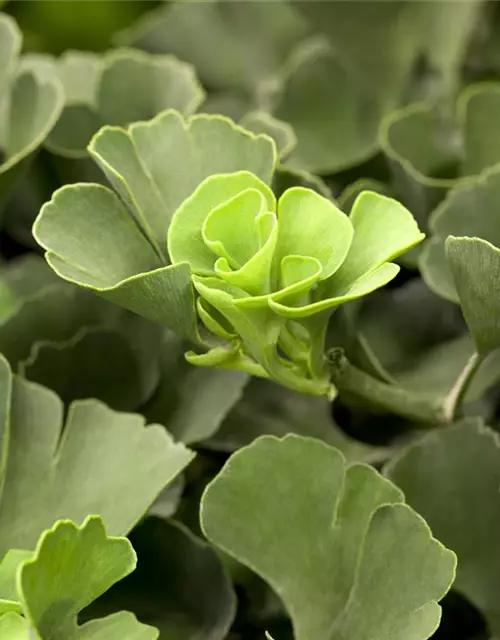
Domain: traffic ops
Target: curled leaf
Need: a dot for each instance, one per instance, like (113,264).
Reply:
(270,274)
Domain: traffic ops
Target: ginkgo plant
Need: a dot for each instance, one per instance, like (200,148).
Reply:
(267,274)
(252,389)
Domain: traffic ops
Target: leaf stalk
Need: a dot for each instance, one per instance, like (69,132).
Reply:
(456,395)
(418,408)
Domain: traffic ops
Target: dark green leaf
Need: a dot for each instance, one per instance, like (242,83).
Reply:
(179,586)
(334,119)
(452,477)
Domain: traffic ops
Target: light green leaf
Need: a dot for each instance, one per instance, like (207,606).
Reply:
(475,265)
(158,164)
(452,477)
(467,210)
(383,230)
(348,196)
(121,87)
(320,532)
(269,276)
(94,239)
(179,586)
(71,567)
(185,237)
(334,119)
(9,598)
(85,467)
(13,627)
(312,226)
(29,107)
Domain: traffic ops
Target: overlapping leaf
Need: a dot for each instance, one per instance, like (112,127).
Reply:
(180,585)
(380,43)
(116,247)
(29,108)
(431,150)
(334,118)
(335,542)
(452,477)
(192,402)
(20,279)
(118,88)
(475,265)
(71,567)
(274,277)
(236,48)
(467,210)
(100,462)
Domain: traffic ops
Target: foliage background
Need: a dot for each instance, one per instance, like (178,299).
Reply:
(399,97)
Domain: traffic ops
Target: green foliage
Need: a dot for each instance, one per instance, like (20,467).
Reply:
(48,473)
(71,567)
(276,274)
(104,95)
(29,108)
(235,310)
(452,478)
(321,550)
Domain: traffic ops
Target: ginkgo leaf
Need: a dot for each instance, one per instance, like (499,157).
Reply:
(29,108)
(431,149)
(117,247)
(334,118)
(75,343)
(475,265)
(334,541)
(94,363)
(468,210)
(234,47)
(269,274)
(14,627)
(100,457)
(9,565)
(121,87)
(452,477)
(72,566)
(281,132)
